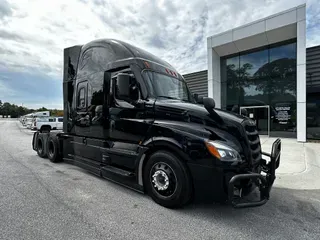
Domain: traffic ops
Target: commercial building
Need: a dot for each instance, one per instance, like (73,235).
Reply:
(264,70)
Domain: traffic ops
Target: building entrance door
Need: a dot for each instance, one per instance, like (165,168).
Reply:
(261,115)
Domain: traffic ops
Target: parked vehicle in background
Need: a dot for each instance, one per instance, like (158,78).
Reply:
(38,120)
(24,119)
(47,124)
(28,122)
(28,119)
(41,114)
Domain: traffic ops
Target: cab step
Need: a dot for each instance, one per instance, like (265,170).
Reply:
(117,171)
(120,176)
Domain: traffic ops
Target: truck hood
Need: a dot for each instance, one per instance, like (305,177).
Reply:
(196,120)
(184,108)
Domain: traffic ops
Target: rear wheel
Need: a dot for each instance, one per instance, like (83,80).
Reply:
(53,149)
(167,180)
(41,147)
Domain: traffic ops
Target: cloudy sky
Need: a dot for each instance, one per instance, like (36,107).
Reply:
(33,34)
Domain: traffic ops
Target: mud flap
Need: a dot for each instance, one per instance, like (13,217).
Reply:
(34,141)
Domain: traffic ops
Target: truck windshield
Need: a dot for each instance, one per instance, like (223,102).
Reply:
(160,85)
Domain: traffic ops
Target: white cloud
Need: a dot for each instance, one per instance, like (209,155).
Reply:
(35,32)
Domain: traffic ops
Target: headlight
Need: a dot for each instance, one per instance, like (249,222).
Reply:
(222,151)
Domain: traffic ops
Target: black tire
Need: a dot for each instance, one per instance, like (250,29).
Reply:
(41,147)
(163,165)
(53,149)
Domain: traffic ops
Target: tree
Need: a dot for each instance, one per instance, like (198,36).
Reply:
(22,111)
(6,109)
(42,109)
(56,112)
(15,111)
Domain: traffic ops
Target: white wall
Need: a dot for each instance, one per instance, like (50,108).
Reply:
(214,79)
(301,75)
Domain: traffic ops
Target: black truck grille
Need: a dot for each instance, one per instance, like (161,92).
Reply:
(253,140)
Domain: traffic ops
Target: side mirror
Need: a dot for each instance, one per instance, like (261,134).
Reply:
(209,103)
(126,87)
(198,98)
(244,112)
(123,86)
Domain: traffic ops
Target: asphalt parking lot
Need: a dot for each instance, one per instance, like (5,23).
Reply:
(42,200)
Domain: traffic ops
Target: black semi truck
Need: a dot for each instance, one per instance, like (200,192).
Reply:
(130,117)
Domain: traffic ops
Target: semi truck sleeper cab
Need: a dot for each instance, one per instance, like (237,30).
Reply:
(130,117)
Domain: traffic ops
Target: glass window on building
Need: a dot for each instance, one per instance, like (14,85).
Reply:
(253,76)
(283,84)
(231,89)
(266,77)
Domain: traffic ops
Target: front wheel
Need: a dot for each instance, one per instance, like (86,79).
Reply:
(167,180)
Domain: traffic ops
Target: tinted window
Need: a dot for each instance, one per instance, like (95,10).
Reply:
(81,98)
(51,119)
(60,119)
(282,69)
(230,87)
(264,77)
(253,76)
(95,89)
(160,85)
(282,88)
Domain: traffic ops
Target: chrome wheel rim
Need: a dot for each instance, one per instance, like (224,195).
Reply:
(163,179)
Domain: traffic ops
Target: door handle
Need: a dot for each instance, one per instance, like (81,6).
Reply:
(84,140)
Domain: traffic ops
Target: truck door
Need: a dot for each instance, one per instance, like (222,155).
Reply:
(127,128)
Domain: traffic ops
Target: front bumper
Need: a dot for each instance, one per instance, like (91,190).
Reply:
(263,182)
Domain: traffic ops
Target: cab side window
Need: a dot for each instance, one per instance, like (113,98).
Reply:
(82,96)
